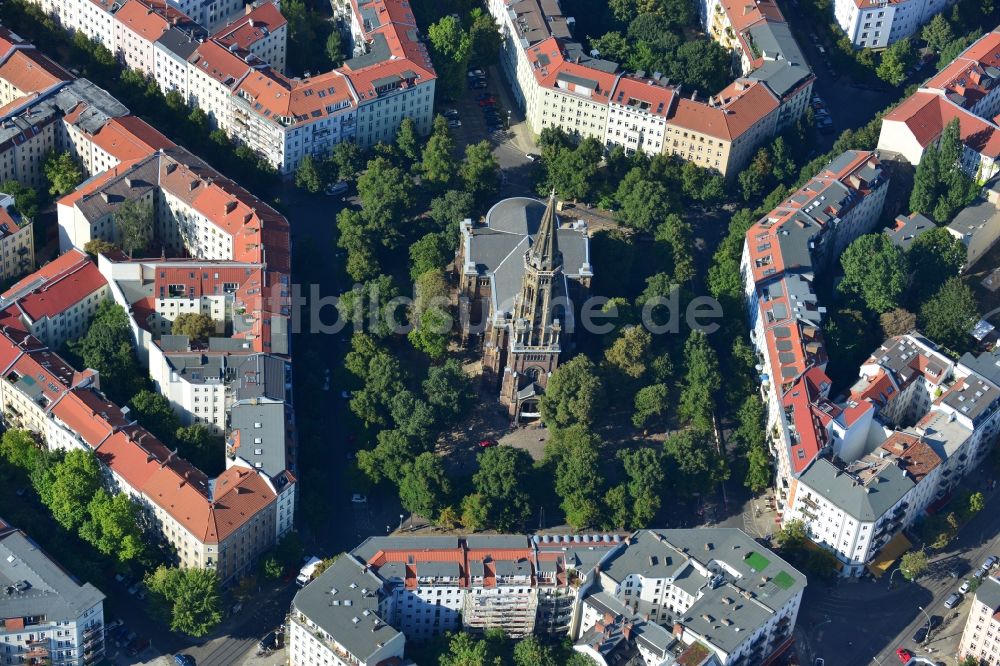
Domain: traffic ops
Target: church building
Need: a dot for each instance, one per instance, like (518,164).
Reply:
(520,273)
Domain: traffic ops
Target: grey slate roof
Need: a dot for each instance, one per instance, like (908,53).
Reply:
(986,364)
(181,43)
(989,592)
(785,68)
(908,229)
(262,376)
(978,218)
(244,417)
(366,551)
(50,590)
(724,600)
(498,248)
(863,502)
(345,592)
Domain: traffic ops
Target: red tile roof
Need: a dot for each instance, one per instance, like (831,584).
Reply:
(738,108)
(149,19)
(219,63)
(926,114)
(251,28)
(644,95)
(62,291)
(129,138)
(745,13)
(30,71)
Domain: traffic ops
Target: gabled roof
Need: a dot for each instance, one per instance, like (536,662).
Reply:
(250,28)
(30,71)
(927,113)
(740,106)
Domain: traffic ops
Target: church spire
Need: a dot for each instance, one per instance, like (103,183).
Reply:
(544,254)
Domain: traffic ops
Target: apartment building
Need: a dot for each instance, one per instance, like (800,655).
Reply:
(781,256)
(223,523)
(17,241)
(24,70)
(664,596)
(235,75)
(558,84)
(981,636)
(878,23)
(56,303)
(261,30)
(978,224)
(138,26)
(46,615)
(965,91)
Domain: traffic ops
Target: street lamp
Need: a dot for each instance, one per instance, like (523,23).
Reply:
(928,634)
(401,516)
(893,574)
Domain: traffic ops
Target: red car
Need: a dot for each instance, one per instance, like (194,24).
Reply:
(487,443)
(488,101)
(904,655)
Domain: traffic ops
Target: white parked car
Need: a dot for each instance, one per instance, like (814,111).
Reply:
(336,189)
(358,498)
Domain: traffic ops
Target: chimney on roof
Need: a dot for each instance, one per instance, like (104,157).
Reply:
(694,95)
(105,197)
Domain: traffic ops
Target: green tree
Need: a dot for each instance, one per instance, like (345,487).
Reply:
(369,306)
(191,595)
(424,488)
(611,46)
(154,412)
(571,172)
(645,479)
(578,478)
(449,210)
(335,48)
(948,316)
(431,252)
(199,327)
(25,198)
(934,256)
(475,512)
(363,350)
(134,224)
(938,33)
(896,60)
(430,334)
(307,175)
(701,65)
(98,246)
(940,187)
(19,448)
(197,444)
(63,172)
(501,482)
(530,651)
(389,459)
(898,321)
(384,379)
(574,394)
(451,49)
(271,567)
(480,170)
(644,202)
(913,564)
(448,389)
(386,191)
(628,358)
(112,525)
(485,38)
(75,481)
(438,164)
(677,234)
(976,502)
(875,270)
(755,177)
(750,434)
(407,140)
(345,160)
(465,650)
(697,400)
(107,348)
(649,401)
(695,464)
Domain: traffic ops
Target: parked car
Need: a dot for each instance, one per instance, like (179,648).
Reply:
(904,655)
(269,642)
(532,157)
(454,124)
(183,660)
(487,443)
(965,587)
(476,73)
(920,634)
(119,578)
(487,101)
(479,85)
(133,588)
(821,50)
(358,498)
(953,600)
(819,661)
(116,622)
(451,113)
(124,640)
(990,562)
(336,189)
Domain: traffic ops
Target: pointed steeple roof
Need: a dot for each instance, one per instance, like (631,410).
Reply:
(544,254)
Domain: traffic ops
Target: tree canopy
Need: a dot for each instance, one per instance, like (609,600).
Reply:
(574,394)
(190,595)
(875,270)
(198,326)
(949,315)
